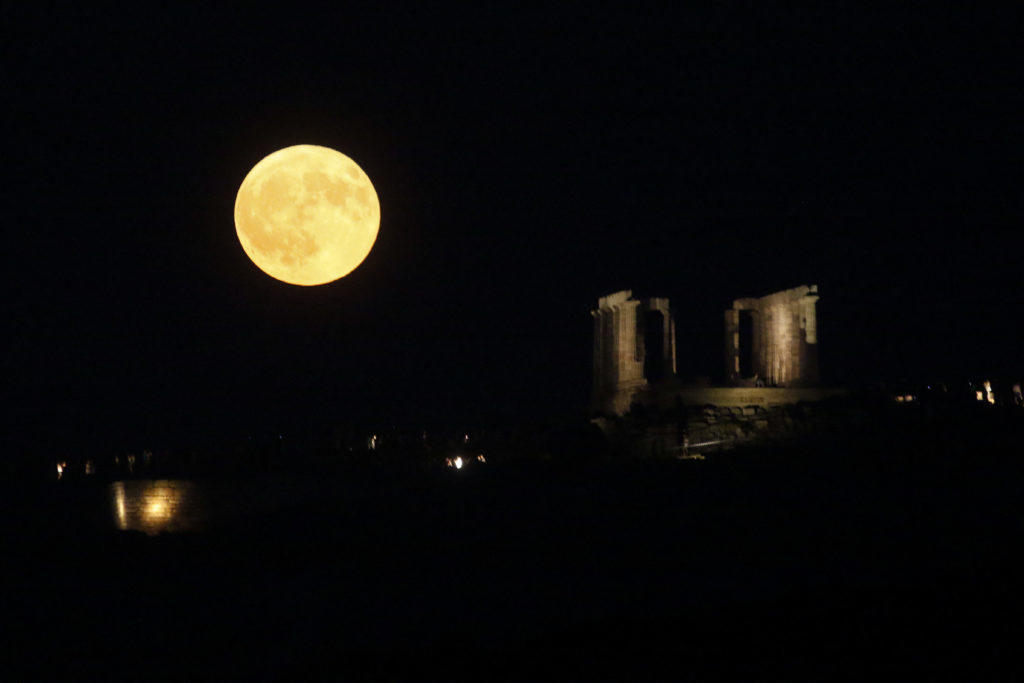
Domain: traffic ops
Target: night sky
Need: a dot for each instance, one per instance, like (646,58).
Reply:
(526,163)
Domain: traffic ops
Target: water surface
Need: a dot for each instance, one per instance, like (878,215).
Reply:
(156,506)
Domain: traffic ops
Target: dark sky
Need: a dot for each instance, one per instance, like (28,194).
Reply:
(526,163)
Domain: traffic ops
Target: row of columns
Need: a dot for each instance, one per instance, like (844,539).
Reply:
(784,337)
(619,344)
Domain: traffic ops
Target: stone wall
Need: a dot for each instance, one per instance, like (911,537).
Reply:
(701,429)
(764,397)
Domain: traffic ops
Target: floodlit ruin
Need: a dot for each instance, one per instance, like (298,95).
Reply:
(634,347)
(773,341)
(771,353)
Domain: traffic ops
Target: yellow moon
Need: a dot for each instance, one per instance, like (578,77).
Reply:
(307,215)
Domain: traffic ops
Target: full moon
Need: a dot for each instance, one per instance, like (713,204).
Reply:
(307,215)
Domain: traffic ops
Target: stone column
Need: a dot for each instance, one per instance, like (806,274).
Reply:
(732,346)
(809,348)
(629,359)
(809,313)
(672,342)
(598,367)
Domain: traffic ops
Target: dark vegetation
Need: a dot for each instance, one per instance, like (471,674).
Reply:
(888,549)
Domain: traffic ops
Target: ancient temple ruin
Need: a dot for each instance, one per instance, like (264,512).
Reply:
(773,341)
(634,348)
(771,354)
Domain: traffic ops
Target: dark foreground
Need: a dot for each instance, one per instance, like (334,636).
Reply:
(880,557)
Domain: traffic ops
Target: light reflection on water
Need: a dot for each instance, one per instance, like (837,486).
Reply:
(155,506)
(170,505)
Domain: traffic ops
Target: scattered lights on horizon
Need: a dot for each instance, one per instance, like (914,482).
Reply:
(458,462)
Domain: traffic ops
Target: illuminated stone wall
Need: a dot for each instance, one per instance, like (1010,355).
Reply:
(783,339)
(745,397)
(623,366)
